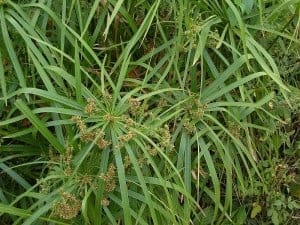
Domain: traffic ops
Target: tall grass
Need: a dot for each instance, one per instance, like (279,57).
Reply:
(148,112)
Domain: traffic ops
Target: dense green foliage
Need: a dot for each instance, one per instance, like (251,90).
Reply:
(149,112)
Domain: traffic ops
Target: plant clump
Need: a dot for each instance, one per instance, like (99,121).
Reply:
(150,112)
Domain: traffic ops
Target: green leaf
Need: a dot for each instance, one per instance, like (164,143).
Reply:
(241,216)
(275,217)
(10,49)
(39,125)
(15,176)
(2,79)
(248,5)
(256,209)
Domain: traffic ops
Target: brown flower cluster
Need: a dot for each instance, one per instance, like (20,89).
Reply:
(102,143)
(91,107)
(189,125)
(85,180)
(137,108)
(127,162)
(235,129)
(109,118)
(152,151)
(68,207)
(134,106)
(195,109)
(44,186)
(67,160)
(109,178)
(142,160)
(195,112)
(165,136)
(107,96)
(127,120)
(93,135)
(80,123)
(162,103)
(125,138)
(105,202)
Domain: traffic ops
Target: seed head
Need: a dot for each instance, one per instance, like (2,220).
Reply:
(68,155)
(162,103)
(91,107)
(87,136)
(102,143)
(189,126)
(44,187)
(134,105)
(109,178)
(127,120)
(108,117)
(165,136)
(68,207)
(153,151)
(110,186)
(127,162)
(234,129)
(107,96)
(105,202)
(141,161)
(127,137)
(79,122)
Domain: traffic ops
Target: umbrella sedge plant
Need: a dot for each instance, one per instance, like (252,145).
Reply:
(141,112)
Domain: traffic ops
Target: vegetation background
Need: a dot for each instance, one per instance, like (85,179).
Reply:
(149,112)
